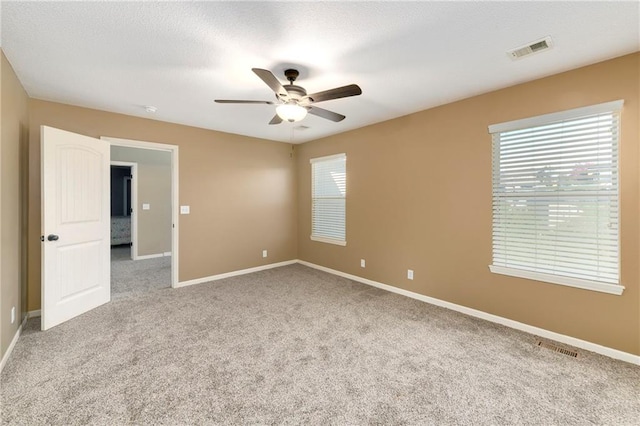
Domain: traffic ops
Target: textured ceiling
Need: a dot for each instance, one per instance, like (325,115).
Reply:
(406,56)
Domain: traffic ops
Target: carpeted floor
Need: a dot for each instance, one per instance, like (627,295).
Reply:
(294,345)
(129,277)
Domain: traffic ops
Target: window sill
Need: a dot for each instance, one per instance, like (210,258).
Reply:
(557,279)
(329,240)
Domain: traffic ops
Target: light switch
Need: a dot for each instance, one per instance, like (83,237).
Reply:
(184,209)
(146,206)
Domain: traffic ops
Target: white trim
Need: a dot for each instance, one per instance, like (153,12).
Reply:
(150,256)
(558,279)
(175,216)
(328,157)
(541,332)
(134,205)
(328,240)
(235,273)
(132,143)
(556,116)
(7,354)
(175,186)
(34,314)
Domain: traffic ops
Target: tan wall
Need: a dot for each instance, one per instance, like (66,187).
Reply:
(419,197)
(14,117)
(242,191)
(154,188)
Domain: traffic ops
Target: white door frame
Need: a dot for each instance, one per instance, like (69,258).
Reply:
(175,208)
(134,204)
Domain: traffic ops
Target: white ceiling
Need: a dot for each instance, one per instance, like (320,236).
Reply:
(406,56)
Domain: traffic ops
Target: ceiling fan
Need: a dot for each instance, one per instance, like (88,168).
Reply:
(293,101)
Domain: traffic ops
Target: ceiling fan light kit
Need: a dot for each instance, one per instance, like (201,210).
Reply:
(293,101)
(291,112)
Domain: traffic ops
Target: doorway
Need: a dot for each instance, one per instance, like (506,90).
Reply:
(124,182)
(151,260)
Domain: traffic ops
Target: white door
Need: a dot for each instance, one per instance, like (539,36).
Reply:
(76,275)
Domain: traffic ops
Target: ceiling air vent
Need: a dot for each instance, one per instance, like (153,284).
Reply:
(531,48)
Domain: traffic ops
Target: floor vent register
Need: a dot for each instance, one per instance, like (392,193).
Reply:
(558,349)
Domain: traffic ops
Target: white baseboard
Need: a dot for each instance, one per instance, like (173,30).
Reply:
(541,332)
(149,256)
(33,314)
(235,273)
(7,354)
(152,256)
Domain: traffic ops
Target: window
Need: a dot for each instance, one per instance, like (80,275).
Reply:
(555,198)
(328,196)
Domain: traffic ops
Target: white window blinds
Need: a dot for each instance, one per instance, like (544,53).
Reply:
(328,193)
(555,197)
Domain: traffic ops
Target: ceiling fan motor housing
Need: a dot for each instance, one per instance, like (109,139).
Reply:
(295,92)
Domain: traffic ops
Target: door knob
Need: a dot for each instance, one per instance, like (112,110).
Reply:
(52,237)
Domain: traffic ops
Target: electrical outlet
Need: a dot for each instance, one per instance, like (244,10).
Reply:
(264,253)
(362,263)
(13,315)
(410,274)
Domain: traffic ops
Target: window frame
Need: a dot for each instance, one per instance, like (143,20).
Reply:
(321,238)
(546,119)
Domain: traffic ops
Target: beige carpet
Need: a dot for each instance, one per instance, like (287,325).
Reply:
(131,277)
(297,346)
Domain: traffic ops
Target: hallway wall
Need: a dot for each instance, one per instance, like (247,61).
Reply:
(154,188)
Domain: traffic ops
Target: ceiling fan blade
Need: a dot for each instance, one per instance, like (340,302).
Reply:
(337,93)
(228,101)
(271,81)
(325,113)
(276,119)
